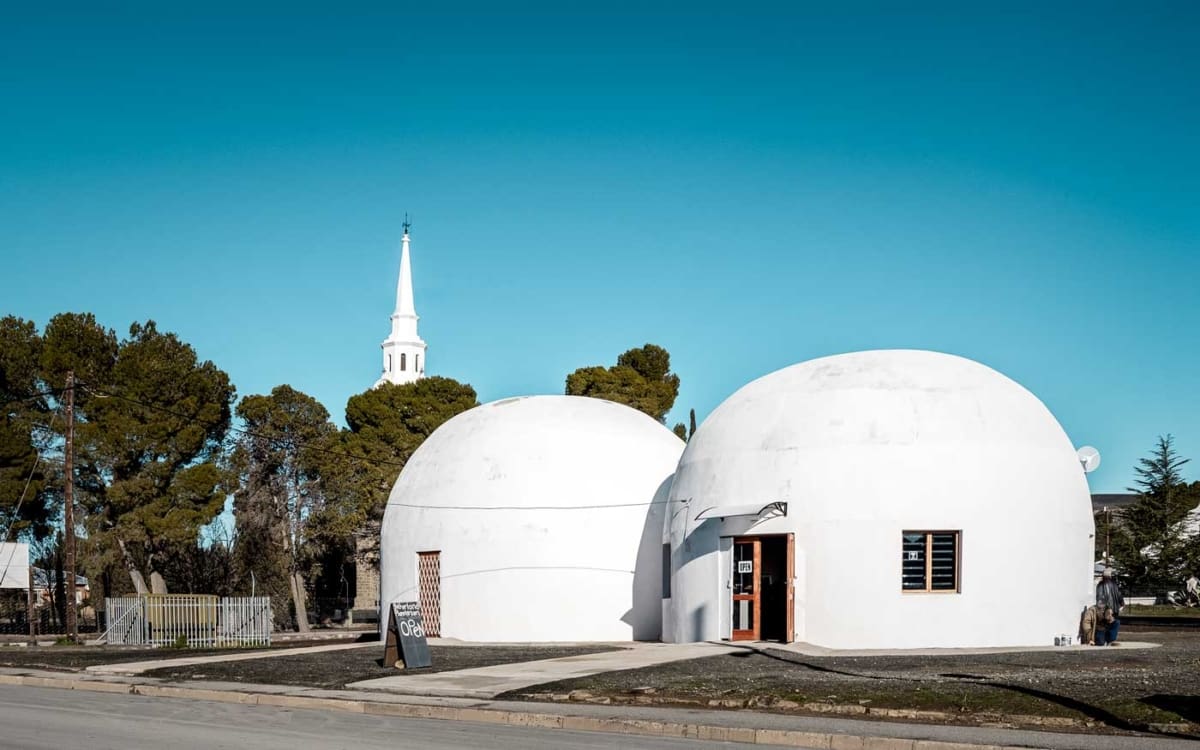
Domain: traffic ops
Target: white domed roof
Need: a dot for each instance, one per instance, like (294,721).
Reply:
(902,418)
(536,451)
(541,508)
(868,449)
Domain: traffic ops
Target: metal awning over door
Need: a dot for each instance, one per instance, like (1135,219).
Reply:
(774,508)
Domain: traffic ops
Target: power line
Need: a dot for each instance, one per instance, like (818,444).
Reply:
(274,440)
(25,489)
(367,459)
(532,507)
(32,396)
(17,509)
(32,423)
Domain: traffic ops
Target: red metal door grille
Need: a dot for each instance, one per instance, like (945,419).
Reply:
(429,569)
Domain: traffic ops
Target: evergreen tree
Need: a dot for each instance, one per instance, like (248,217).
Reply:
(1151,542)
(360,465)
(27,500)
(642,378)
(151,420)
(279,493)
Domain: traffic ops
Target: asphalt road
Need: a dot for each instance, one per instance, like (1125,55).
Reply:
(49,718)
(44,718)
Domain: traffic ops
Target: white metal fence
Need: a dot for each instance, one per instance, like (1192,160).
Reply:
(188,620)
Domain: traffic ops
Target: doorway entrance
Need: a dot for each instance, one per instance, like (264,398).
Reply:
(762,575)
(429,591)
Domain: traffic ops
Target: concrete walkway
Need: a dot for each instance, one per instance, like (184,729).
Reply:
(138,667)
(488,682)
(807,649)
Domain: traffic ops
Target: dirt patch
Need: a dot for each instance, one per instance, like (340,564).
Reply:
(76,658)
(1107,689)
(335,669)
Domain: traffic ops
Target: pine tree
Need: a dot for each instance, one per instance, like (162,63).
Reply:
(642,379)
(1151,542)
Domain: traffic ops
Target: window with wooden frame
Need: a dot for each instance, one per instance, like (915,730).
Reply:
(930,562)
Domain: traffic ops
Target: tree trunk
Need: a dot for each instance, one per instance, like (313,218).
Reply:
(60,592)
(158,584)
(295,577)
(296,584)
(135,575)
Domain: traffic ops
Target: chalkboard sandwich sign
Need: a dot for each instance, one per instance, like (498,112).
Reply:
(405,646)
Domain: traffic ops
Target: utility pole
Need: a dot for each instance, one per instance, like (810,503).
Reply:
(32,610)
(69,509)
(1107,534)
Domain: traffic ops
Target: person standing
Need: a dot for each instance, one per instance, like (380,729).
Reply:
(1104,620)
(1108,594)
(1191,591)
(1087,625)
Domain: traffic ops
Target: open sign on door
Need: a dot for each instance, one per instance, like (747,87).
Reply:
(745,566)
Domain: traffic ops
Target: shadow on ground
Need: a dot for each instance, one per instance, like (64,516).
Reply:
(1186,707)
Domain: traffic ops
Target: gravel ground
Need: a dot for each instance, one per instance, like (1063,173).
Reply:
(1118,690)
(334,669)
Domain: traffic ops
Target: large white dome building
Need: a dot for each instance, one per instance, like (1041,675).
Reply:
(913,499)
(533,519)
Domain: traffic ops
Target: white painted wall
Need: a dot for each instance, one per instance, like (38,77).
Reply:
(510,491)
(14,565)
(863,447)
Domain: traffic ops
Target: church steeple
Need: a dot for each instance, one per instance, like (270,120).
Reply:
(403,349)
(406,308)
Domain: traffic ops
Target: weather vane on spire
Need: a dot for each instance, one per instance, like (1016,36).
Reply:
(407,223)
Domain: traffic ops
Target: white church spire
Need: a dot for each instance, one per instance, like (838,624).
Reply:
(405,307)
(403,349)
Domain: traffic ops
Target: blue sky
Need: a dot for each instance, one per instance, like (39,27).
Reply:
(748,185)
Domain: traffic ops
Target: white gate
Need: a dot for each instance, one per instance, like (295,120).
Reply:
(246,620)
(126,621)
(188,620)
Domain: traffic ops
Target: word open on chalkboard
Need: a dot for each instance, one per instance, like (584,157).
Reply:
(405,646)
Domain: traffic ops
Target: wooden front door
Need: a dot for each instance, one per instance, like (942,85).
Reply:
(747,604)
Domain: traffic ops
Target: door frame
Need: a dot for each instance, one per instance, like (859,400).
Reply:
(752,634)
(755,633)
(791,588)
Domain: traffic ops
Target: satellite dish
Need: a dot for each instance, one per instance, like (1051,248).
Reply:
(1089,458)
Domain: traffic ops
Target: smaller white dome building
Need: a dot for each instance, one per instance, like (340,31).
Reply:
(882,499)
(533,519)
